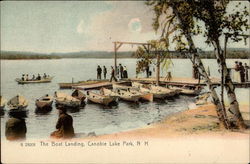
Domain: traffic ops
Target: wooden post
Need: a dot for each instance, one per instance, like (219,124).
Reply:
(157,68)
(115,58)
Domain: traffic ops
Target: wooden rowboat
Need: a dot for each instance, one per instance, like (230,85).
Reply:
(187,91)
(79,95)
(43,80)
(99,98)
(44,102)
(17,104)
(158,94)
(65,100)
(135,91)
(170,92)
(2,102)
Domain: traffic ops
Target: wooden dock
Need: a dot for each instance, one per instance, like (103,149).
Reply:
(176,81)
(94,86)
(180,81)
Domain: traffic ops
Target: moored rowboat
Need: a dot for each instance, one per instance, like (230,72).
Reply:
(99,98)
(65,100)
(127,96)
(134,91)
(158,94)
(187,91)
(2,102)
(17,103)
(79,95)
(44,102)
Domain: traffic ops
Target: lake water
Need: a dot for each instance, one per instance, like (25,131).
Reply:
(92,118)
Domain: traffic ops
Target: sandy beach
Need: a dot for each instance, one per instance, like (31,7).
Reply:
(200,121)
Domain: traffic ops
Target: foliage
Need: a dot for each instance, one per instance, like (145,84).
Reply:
(146,57)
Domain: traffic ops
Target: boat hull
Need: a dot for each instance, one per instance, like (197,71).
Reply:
(101,101)
(40,104)
(100,98)
(47,80)
(63,100)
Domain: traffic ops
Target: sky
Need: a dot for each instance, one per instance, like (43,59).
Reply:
(72,26)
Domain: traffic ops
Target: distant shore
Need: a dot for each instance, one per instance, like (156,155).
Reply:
(231,54)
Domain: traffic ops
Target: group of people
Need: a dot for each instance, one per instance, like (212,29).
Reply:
(121,72)
(39,77)
(241,72)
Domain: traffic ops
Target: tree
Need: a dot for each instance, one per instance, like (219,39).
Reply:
(179,16)
(218,22)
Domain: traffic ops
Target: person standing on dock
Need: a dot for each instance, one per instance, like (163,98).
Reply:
(246,71)
(64,125)
(121,70)
(112,74)
(117,71)
(242,72)
(104,72)
(236,74)
(99,72)
(147,71)
(125,72)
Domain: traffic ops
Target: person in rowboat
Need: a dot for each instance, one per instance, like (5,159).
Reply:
(33,77)
(44,76)
(27,77)
(38,77)
(64,125)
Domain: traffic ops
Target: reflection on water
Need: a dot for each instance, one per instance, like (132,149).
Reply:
(91,117)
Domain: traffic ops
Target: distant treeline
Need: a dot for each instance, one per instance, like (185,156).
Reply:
(231,53)
(13,55)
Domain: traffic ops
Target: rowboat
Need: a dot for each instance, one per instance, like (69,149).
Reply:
(134,91)
(99,98)
(79,95)
(2,103)
(44,102)
(187,91)
(17,104)
(128,96)
(170,92)
(108,92)
(65,100)
(43,80)
(158,94)
(122,94)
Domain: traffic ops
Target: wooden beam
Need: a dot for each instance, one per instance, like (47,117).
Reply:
(133,43)
(115,58)
(119,45)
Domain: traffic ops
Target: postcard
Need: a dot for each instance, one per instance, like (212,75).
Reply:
(125,81)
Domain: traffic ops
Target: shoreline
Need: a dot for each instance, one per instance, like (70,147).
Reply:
(199,122)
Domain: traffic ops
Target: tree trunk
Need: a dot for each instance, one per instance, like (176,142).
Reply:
(234,105)
(219,108)
(157,69)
